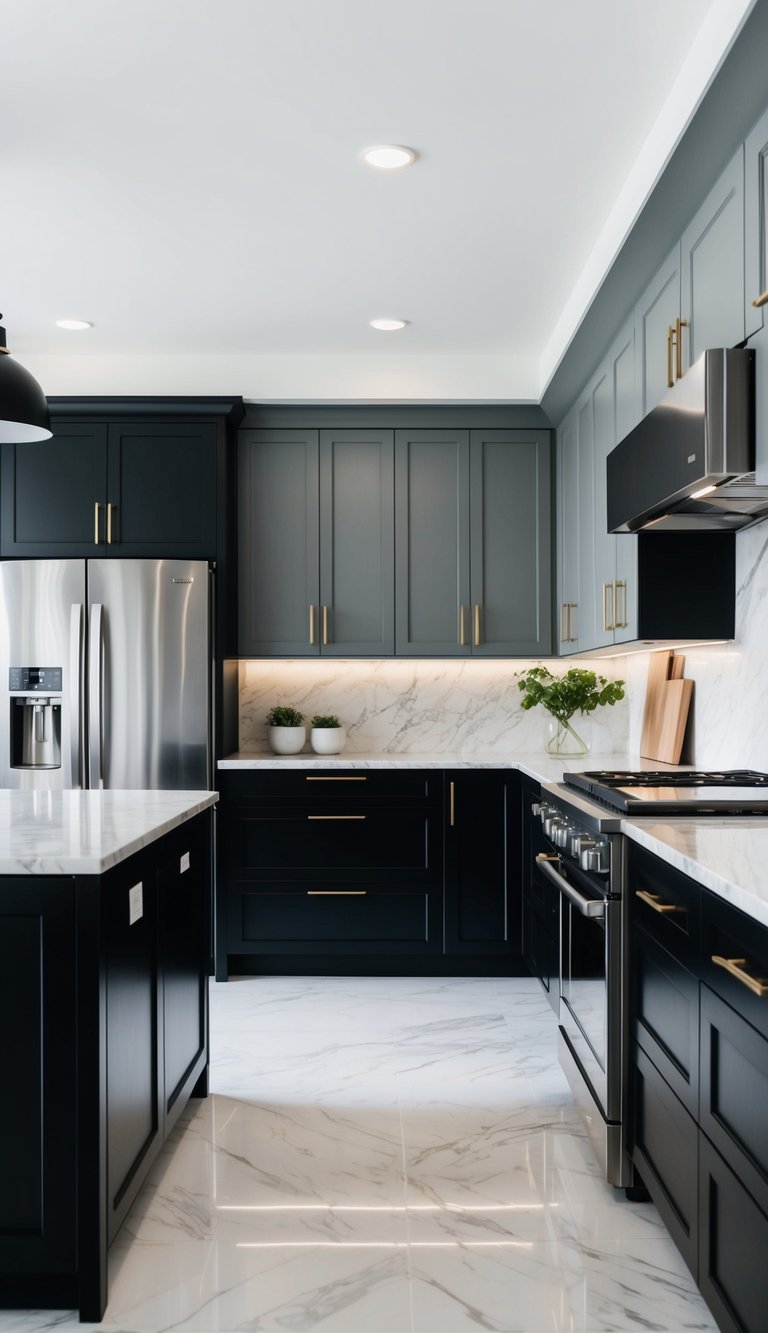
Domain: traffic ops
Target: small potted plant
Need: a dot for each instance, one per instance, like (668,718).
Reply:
(578,691)
(327,735)
(286,730)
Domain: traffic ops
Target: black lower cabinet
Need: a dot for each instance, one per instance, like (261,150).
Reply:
(483,898)
(664,1148)
(103,1002)
(733,1246)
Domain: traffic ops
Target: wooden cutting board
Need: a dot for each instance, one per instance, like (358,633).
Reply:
(659,667)
(676,703)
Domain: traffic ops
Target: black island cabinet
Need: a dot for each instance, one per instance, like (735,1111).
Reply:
(104,1013)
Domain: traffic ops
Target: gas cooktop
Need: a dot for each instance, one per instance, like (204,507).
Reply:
(740,791)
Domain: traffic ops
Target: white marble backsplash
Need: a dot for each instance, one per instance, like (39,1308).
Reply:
(730,698)
(417,706)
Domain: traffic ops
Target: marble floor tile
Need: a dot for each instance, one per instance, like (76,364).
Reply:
(385,1155)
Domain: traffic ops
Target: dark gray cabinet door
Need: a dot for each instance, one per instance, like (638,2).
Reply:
(712,268)
(50,492)
(432,543)
(161,492)
(357,566)
(655,312)
(510,542)
(279,552)
(755,224)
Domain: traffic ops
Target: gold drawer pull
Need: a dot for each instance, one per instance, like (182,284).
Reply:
(335,816)
(546,856)
(670,337)
(762,299)
(325,627)
(110,507)
(311,625)
(653,900)
(735,966)
(96,508)
(680,324)
(477,626)
(336,893)
(340,779)
(453,804)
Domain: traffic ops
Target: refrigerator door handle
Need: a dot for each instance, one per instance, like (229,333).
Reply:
(95,696)
(76,749)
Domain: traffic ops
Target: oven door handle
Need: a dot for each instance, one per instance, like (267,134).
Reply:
(592,907)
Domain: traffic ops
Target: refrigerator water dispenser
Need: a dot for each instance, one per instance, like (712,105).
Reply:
(35,718)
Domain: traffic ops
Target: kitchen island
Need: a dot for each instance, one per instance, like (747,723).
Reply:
(105,943)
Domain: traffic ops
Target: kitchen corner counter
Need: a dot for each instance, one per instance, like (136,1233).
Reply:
(87,832)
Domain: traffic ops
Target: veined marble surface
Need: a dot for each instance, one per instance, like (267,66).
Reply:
(385,1155)
(87,832)
(538,765)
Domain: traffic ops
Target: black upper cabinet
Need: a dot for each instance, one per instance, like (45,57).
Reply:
(483,891)
(121,478)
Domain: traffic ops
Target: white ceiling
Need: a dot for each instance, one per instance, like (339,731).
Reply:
(185,173)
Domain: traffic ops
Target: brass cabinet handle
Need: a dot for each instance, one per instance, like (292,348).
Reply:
(96,508)
(653,900)
(736,966)
(563,622)
(462,628)
(762,299)
(110,507)
(477,625)
(546,856)
(452,792)
(335,816)
(621,618)
(336,893)
(341,779)
(680,324)
(325,626)
(311,625)
(573,609)
(670,336)
(609,596)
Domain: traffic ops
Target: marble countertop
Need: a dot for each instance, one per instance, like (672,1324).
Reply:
(87,832)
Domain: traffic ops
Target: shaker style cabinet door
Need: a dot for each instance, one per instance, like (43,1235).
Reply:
(357,565)
(50,492)
(655,314)
(568,536)
(483,893)
(510,542)
(432,543)
(712,268)
(161,492)
(279,552)
(756,226)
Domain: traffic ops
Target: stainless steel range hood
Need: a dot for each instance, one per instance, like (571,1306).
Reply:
(690,463)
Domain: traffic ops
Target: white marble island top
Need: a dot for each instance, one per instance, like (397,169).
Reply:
(87,832)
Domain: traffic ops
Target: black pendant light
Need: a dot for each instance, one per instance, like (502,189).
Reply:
(23,408)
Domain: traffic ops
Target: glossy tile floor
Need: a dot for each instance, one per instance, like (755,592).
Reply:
(386,1156)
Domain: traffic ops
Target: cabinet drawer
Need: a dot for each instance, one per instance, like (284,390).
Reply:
(338,785)
(296,920)
(734,1092)
(670,903)
(734,937)
(733,1243)
(665,1015)
(335,840)
(664,1148)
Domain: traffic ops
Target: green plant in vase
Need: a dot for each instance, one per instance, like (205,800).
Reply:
(578,691)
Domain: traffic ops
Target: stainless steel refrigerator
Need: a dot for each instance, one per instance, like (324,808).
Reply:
(105,674)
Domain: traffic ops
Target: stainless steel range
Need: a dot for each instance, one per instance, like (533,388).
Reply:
(740,791)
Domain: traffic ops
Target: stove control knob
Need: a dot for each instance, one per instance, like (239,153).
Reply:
(537,808)
(598,858)
(561,835)
(552,822)
(586,845)
(573,845)
(542,810)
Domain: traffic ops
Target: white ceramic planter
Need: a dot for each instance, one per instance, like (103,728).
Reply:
(328,740)
(286,740)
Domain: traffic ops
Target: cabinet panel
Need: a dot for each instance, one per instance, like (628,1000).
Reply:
(665,1006)
(357,579)
(712,267)
(483,892)
(242,785)
(279,543)
(733,1246)
(734,1091)
(585,499)
(656,310)
(626,415)
(162,488)
(510,542)
(664,1148)
(292,921)
(755,223)
(568,553)
(389,846)
(185,908)
(432,543)
(49,492)
(604,571)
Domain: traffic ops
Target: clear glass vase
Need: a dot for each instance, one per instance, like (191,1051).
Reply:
(570,738)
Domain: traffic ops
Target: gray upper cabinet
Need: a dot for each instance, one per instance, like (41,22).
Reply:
(357,567)
(712,268)
(279,555)
(586,625)
(568,534)
(756,225)
(510,542)
(432,543)
(656,314)
(472,543)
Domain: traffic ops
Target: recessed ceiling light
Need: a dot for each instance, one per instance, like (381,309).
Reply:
(388,156)
(73,324)
(388,325)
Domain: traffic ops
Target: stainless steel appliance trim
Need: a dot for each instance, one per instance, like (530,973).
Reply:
(76,682)
(95,695)
(592,907)
(606,1136)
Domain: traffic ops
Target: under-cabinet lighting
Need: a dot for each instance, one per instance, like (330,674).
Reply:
(705,490)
